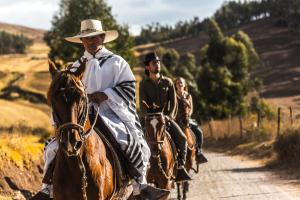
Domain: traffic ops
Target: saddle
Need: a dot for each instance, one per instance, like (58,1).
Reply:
(193,138)
(120,166)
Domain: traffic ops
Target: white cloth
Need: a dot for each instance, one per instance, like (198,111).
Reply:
(118,112)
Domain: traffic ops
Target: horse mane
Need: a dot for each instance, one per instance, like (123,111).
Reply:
(61,77)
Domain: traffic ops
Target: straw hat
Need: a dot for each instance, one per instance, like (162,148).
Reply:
(92,27)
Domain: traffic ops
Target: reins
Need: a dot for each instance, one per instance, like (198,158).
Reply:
(160,143)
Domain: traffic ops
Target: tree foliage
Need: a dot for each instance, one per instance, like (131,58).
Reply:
(67,23)
(11,43)
(157,32)
(236,13)
(224,80)
(231,14)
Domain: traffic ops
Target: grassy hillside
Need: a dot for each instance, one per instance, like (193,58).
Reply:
(33,33)
(279,51)
(24,119)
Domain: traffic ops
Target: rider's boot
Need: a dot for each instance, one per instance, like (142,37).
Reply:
(182,174)
(200,158)
(149,192)
(41,195)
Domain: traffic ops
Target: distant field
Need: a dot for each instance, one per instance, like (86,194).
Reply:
(35,60)
(33,33)
(15,113)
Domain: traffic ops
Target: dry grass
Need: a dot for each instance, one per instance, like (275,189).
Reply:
(20,149)
(231,127)
(35,60)
(14,113)
(257,143)
(288,146)
(5,198)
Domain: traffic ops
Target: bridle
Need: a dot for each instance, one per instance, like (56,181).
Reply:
(62,127)
(162,138)
(67,127)
(160,143)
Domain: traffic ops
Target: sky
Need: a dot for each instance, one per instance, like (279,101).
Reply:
(134,13)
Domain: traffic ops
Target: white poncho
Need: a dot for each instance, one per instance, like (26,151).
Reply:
(112,75)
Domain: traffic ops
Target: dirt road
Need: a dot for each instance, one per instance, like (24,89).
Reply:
(230,178)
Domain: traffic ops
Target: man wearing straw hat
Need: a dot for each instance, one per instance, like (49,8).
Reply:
(110,85)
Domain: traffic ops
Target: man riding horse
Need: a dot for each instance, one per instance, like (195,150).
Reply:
(158,90)
(110,86)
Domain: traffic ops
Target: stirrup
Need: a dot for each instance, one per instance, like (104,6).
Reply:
(182,175)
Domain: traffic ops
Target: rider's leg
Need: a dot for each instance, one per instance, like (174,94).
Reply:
(199,136)
(140,185)
(50,151)
(181,145)
(179,140)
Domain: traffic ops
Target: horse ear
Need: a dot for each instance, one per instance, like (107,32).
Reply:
(80,70)
(52,68)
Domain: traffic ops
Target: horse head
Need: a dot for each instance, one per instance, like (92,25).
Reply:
(68,100)
(155,127)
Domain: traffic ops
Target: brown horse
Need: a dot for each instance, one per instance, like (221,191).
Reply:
(182,119)
(163,154)
(84,167)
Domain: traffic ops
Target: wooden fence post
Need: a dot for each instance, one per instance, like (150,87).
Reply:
(241,126)
(228,127)
(211,129)
(278,121)
(258,119)
(291,115)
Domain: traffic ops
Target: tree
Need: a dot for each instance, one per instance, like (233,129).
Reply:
(170,59)
(223,80)
(67,23)
(11,43)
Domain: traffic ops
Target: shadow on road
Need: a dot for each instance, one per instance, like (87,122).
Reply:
(247,169)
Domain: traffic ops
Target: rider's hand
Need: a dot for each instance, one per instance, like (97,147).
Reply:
(97,97)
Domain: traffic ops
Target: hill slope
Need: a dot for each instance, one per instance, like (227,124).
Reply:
(278,48)
(33,33)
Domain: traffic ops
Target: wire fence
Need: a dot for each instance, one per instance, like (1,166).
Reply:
(285,118)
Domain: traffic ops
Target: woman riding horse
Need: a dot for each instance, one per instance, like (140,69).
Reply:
(185,112)
(185,109)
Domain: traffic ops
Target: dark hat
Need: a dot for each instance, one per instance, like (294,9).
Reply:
(149,57)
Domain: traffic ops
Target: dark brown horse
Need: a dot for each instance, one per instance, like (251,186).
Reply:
(84,167)
(182,119)
(163,154)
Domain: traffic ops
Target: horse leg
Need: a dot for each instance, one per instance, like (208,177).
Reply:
(185,189)
(178,191)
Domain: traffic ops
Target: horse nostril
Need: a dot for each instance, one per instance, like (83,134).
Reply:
(77,145)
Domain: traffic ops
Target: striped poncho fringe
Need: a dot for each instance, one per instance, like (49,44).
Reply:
(126,90)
